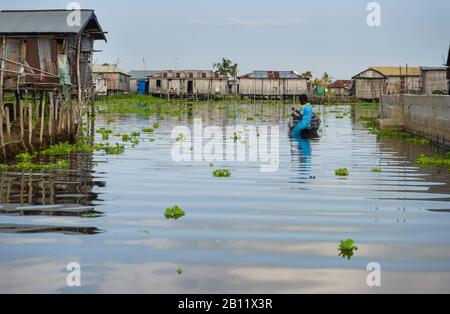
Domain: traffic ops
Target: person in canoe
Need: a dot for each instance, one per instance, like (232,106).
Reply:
(304,124)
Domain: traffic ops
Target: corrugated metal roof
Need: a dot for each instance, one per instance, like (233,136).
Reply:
(341,84)
(44,21)
(272,75)
(397,71)
(142,74)
(108,68)
(433,68)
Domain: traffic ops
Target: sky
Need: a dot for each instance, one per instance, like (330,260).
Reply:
(318,36)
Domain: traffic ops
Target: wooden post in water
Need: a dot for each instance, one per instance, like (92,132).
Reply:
(2,138)
(80,95)
(8,123)
(41,135)
(50,116)
(21,120)
(30,126)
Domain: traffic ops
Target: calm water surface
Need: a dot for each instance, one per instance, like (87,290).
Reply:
(254,232)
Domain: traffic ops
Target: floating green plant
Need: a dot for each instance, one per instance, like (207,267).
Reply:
(434,160)
(347,248)
(418,140)
(89,215)
(30,166)
(24,157)
(211,165)
(181,137)
(343,172)
(109,149)
(61,149)
(148,130)
(377,170)
(180,270)
(174,213)
(156,125)
(222,173)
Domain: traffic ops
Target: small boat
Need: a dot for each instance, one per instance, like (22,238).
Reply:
(312,132)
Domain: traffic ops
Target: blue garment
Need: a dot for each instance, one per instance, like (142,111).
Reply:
(307,114)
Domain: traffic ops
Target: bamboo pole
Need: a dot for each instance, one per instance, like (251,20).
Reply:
(80,100)
(41,135)
(50,116)
(21,123)
(3,53)
(8,123)
(30,126)
(2,138)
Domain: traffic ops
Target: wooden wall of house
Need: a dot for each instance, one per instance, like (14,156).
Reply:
(365,88)
(397,85)
(340,91)
(179,87)
(117,82)
(272,87)
(434,81)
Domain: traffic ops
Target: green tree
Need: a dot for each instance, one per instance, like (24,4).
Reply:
(308,74)
(326,79)
(227,67)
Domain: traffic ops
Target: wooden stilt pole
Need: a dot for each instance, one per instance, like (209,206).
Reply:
(8,122)
(41,135)
(30,126)
(2,138)
(50,116)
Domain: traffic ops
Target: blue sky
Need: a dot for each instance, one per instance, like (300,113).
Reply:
(320,35)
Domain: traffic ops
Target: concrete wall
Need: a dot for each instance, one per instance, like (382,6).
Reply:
(428,116)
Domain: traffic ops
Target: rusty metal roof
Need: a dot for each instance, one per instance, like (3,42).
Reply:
(341,84)
(273,75)
(47,22)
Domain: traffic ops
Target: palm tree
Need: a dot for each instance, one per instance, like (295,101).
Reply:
(326,79)
(308,74)
(226,67)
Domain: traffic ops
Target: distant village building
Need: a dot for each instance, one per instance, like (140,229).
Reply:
(377,81)
(189,83)
(434,80)
(341,87)
(118,81)
(277,84)
(139,81)
(100,85)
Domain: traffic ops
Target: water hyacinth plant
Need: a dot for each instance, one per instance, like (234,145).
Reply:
(174,213)
(347,248)
(343,172)
(222,173)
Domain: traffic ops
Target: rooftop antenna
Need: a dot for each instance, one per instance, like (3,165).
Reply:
(117,63)
(143,62)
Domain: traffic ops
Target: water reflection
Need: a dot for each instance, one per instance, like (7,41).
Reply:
(256,232)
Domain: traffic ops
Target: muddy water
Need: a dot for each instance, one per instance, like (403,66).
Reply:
(254,232)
